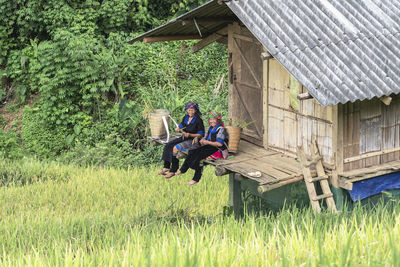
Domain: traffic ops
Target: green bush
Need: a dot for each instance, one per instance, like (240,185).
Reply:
(40,138)
(10,145)
(112,151)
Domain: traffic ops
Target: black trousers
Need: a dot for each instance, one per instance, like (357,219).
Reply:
(193,160)
(170,161)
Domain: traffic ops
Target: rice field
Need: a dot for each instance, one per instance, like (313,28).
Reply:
(58,215)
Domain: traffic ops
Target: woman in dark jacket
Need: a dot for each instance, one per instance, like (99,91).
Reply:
(193,126)
(215,140)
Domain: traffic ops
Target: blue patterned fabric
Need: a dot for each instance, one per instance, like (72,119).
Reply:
(193,105)
(373,186)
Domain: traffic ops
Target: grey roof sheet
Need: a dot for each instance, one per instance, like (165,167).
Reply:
(174,27)
(340,50)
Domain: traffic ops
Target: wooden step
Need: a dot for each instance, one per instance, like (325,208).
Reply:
(317,179)
(322,196)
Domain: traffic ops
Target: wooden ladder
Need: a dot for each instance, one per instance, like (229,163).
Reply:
(322,178)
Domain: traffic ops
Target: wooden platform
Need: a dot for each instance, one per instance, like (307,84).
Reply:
(349,177)
(276,169)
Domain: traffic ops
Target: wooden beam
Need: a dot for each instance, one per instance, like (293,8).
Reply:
(265,55)
(386,100)
(245,38)
(208,20)
(268,187)
(372,154)
(304,96)
(220,171)
(170,38)
(208,40)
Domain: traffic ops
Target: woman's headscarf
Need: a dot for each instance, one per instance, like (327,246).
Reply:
(193,105)
(216,116)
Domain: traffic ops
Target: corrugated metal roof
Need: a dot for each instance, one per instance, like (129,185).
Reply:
(210,9)
(340,50)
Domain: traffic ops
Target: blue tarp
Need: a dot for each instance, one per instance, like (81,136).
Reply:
(373,186)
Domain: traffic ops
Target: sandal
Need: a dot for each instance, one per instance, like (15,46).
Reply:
(169,175)
(163,172)
(191,182)
(178,173)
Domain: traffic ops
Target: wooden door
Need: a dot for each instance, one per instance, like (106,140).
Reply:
(246,82)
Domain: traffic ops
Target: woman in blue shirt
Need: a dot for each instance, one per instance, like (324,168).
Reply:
(215,140)
(193,127)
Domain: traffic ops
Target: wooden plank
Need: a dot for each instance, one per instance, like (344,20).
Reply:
(300,114)
(372,174)
(268,169)
(356,134)
(364,172)
(372,154)
(170,38)
(290,131)
(244,169)
(282,163)
(248,147)
(242,159)
(208,40)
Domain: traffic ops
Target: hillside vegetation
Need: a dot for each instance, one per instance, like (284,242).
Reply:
(74,90)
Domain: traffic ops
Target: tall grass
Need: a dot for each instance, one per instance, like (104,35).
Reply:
(94,217)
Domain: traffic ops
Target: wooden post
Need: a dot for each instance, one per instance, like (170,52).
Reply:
(339,139)
(265,98)
(235,196)
(230,71)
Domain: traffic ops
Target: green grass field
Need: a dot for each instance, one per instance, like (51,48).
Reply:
(53,215)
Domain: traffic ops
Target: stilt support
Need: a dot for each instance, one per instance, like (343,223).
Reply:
(235,196)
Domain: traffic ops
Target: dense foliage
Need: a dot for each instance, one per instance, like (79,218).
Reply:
(84,90)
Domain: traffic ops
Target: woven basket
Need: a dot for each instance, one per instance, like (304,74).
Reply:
(157,127)
(234,138)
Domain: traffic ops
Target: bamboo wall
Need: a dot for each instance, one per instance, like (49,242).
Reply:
(288,127)
(370,126)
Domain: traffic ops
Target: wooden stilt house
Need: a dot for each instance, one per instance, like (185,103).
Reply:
(321,81)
